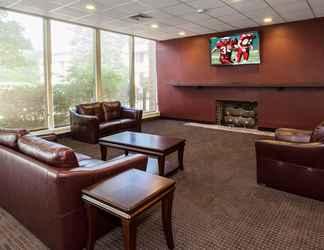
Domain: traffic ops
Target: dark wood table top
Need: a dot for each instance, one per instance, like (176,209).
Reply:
(142,140)
(129,190)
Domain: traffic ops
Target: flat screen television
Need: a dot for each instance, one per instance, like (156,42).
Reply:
(237,49)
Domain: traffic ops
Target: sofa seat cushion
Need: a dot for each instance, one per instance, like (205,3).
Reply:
(112,110)
(111,126)
(318,134)
(90,163)
(94,109)
(9,137)
(82,157)
(127,123)
(51,153)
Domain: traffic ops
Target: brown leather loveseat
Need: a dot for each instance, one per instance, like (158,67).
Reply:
(41,183)
(91,121)
(293,162)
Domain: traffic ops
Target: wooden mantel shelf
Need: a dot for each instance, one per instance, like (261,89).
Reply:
(245,85)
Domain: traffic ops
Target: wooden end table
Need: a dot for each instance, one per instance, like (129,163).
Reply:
(151,145)
(126,196)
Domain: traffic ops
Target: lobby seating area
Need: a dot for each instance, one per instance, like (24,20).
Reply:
(161,124)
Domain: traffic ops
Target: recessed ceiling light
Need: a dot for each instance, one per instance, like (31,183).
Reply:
(182,33)
(154,26)
(267,20)
(90,5)
(201,11)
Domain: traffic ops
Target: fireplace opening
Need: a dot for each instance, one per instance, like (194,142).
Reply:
(237,114)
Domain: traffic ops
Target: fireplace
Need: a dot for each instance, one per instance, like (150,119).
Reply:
(237,114)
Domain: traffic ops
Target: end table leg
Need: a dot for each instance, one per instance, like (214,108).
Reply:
(167,219)
(129,231)
(91,213)
(180,156)
(161,162)
(103,150)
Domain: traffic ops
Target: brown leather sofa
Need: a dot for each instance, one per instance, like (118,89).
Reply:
(293,162)
(91,121)
(41,183)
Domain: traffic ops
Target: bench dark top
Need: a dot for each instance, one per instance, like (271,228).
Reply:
(129,190)
(142,140)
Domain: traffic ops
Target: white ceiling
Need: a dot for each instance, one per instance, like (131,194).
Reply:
(172,16)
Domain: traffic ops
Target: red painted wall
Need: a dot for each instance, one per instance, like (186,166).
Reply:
(291,54)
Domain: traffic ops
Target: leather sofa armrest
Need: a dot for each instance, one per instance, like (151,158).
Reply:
(69,183)
(84,127)
(131,113)
(308,154)
(293,135)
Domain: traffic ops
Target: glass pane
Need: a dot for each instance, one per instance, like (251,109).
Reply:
(73,71)
(115,61)
(145,75)
(22,84)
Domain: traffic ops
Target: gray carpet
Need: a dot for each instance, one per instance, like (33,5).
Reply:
(218,204)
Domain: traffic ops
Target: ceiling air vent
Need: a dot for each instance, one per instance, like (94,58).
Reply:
(140,17)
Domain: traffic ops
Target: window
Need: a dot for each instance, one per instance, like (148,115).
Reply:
(22,84)
(25,60)
(115,67)
(145,74)
(73,71)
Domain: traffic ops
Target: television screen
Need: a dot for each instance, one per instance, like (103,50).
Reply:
(236,49)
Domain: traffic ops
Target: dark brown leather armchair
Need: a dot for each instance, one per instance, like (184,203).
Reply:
(91,121)
(293,162)
(41,183)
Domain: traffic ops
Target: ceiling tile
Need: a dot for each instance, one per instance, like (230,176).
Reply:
(206,4)
(298,15)
(180,10)
(132,8)
(193,28)
(6,3)
(247,5)
(159,4)
(196,17)
(222,11)
(72,12)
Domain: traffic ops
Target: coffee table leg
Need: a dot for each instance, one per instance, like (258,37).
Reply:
(103,150)
(129,231)
(126,152)
(91,213)
(180,156)
(167,218)
(161,161)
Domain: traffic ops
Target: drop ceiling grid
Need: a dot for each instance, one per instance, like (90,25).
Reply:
(172,16)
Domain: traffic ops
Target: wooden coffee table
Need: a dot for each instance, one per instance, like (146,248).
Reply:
(152,145)
(126,196)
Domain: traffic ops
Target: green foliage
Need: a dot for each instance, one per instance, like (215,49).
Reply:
(22,91)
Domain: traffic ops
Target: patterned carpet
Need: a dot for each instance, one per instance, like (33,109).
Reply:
(218,204)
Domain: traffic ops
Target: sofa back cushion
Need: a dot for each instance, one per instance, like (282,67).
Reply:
(9,137)
(51,153)
(112,110)
(92,109)
(318,134)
